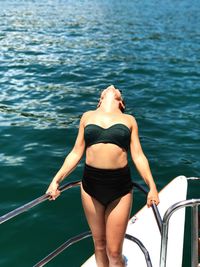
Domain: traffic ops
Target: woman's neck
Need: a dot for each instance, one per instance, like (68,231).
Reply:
(110,106)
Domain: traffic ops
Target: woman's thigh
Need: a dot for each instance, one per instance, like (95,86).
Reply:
(95,214)
(117,216)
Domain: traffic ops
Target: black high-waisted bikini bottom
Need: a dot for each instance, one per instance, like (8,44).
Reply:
(106,185)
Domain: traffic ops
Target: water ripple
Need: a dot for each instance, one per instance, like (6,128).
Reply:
(56,57)
(11,160)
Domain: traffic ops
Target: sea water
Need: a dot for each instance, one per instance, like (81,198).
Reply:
(55,58)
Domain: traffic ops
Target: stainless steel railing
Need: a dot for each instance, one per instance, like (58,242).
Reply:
(193,203)
(34,203)
(162,225)
(61,248)
(79,237)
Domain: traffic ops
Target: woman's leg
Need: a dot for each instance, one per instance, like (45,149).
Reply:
(117,216)
(95,214)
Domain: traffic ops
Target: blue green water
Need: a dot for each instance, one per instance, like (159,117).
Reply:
(55,58)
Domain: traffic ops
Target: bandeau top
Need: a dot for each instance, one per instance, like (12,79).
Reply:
(118,134)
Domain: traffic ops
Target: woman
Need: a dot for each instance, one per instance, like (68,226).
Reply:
(106,134)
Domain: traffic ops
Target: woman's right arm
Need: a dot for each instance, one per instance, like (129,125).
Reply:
(70,163)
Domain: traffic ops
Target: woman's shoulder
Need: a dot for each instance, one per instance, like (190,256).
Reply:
(87,115)
(131,121)
(130,118)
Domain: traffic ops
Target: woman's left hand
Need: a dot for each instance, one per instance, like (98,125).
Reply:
(152,198)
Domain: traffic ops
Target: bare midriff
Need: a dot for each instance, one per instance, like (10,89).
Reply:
(106,156)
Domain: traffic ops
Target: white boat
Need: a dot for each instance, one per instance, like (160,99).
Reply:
(153,234)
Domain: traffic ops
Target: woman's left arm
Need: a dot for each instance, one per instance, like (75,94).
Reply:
(142,165)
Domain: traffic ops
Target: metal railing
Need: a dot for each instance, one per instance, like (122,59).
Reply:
(34,203)
(193,203)
(61,248)
(79,237)
(162,225)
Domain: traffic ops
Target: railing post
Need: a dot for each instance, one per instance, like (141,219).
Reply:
(194,203)
(164,241)
(194,236)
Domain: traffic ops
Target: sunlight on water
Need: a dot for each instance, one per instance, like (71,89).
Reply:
(11,160)
(56,57)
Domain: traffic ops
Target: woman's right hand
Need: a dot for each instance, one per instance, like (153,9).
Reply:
(53,190)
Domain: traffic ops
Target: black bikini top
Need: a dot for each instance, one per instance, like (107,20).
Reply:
(118,134)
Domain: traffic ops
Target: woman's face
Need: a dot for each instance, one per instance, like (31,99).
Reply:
(111,90)
(112,93)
